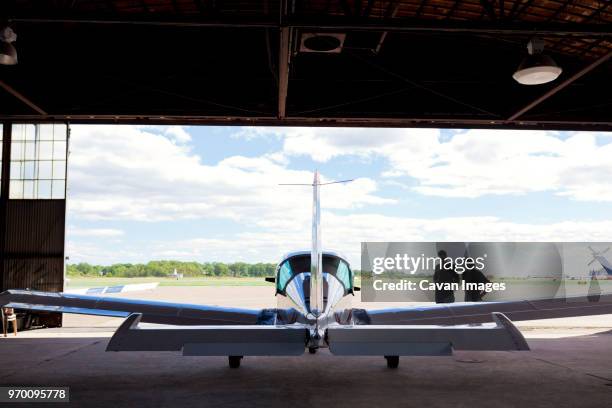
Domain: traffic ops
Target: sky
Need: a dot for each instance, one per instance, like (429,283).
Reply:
(141,193)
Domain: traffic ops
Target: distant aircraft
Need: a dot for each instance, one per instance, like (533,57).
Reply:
(315,288)
(603,261)
(176,275)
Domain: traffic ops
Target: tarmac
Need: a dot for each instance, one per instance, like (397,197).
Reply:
(570,364)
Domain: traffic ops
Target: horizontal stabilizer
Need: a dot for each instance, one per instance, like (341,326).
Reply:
(210,340)
(421,340)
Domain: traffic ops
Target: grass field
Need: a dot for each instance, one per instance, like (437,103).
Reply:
(204,281)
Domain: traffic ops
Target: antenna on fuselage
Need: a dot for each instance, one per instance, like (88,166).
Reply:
(316,253)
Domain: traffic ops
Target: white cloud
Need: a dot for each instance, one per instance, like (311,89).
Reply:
(147,174)
(78,250)
(135,173)
(345,233)
(472,163)
(94,232)
(178,133)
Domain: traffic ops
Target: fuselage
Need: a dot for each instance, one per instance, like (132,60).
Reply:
(314,285)
(294,283)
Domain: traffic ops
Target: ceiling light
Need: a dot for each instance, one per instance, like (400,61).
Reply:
(330,43)
(8,53)
(536,68)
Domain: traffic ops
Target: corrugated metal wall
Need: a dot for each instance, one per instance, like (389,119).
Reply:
(33,253)
(31,241)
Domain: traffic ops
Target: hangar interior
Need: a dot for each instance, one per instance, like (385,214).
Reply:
(379,63)
(439,63)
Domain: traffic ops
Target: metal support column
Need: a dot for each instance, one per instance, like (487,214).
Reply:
(7,131)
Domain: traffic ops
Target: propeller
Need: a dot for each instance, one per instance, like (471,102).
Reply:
(595,254)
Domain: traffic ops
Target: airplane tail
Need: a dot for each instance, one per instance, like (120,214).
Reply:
(316,253)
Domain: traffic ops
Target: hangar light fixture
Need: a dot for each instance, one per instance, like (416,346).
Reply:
(536,68)
(8,53)
(328,43)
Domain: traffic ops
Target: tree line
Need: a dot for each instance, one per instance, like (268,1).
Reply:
(165,268)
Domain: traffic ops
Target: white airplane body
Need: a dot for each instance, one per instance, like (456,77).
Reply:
(315,288)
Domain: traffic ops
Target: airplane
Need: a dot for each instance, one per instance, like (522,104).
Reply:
(176,275)
(314,288)
(602,260)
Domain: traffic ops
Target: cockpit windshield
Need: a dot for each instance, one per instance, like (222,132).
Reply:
(297,264)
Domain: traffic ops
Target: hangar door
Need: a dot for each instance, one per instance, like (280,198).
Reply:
(33,206)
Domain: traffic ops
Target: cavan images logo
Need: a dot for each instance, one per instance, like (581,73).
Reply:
(422,264)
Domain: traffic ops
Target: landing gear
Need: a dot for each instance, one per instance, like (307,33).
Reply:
(312,350)
(234,361)
(392,361)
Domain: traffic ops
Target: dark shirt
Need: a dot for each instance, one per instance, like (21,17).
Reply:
(442,275)
(474,276)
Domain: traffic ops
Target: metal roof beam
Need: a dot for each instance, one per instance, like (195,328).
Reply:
(357,24)
(283,71)
(284,53)
(389,13)
(21,97)
(363,121)
(551,29)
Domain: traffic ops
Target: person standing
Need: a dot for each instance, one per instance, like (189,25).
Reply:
(474,275)
(444,275)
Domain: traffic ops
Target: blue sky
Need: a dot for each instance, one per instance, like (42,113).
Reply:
(211,193)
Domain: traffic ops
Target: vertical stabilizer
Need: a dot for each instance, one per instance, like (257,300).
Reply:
(316,254)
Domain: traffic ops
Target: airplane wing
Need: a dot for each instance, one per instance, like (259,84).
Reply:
(151,311)
(481,312)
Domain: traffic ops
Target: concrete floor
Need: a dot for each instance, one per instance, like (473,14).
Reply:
(570,365)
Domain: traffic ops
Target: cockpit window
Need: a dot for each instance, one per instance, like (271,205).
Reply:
(344,275)
(301,263)
(284,274)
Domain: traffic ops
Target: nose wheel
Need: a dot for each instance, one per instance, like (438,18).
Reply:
(312,350)
(392,361)
(234,361)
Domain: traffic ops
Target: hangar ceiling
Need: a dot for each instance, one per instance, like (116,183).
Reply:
(441,63)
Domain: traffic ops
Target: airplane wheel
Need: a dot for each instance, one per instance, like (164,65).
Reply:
(392,361)
(234,361)
(312,350)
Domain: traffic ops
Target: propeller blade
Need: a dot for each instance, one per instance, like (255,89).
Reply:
(605,250)
(589,264)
